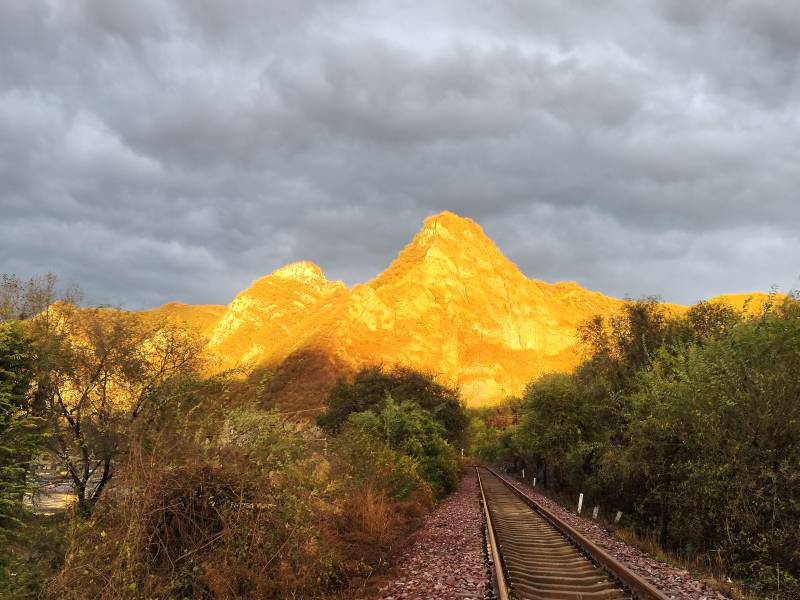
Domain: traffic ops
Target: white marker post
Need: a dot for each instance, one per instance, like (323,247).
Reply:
(595,511)
(523,474)
(580,503)
(618,517)
(534,482)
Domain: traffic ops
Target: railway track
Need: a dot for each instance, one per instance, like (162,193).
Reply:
(538,557)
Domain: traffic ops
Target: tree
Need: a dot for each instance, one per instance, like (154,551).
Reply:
(370,387)
(712,320)
(412,430)
(20,431)
(21,300)
(618,346)
(550,425)
(105,368)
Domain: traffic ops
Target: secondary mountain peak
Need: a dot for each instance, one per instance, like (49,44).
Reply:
(266,318)
(304,271)
(449,223)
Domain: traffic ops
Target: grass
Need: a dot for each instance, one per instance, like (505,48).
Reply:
(708,567)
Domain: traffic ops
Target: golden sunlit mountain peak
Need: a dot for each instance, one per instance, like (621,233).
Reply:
(449,229)
(451,303)
(304,271)
(449,223)
(447,249)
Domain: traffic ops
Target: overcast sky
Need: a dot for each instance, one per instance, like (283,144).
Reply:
(157,150)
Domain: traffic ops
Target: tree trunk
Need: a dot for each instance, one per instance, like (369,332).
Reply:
(83,506)
(663,526)
(106,475)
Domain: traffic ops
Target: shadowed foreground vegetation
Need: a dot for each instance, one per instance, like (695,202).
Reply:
(689,425)
(185,487)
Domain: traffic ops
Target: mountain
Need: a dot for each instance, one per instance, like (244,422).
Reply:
(276,315)
(202,318)
(450,304)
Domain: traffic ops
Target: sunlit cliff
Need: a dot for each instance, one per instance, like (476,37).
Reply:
(450,304)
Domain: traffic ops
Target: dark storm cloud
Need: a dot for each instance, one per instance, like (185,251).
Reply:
(155,150)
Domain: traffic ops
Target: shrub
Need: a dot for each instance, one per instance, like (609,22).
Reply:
(240,514)
(412,431)
(240,502)
(370,387)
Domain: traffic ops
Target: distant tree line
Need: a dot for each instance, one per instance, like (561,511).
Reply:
(688,424)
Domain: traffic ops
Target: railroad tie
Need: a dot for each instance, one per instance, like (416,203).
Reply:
(541,564)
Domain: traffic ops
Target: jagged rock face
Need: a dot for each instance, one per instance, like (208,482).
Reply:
(450,304)
(274,316)
(453,304)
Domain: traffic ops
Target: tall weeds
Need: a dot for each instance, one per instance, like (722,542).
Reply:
(251,508)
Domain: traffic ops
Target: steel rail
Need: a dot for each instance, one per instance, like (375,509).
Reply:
(501,587)
(637,586)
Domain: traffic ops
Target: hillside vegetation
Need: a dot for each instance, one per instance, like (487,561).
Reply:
(689,425)
(185,486)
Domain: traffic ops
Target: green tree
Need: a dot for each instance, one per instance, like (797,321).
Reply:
(411,430)
(21,439)
(715,441)
(712,320)
(20,431)
(550,426)
(370,387)
(106,368)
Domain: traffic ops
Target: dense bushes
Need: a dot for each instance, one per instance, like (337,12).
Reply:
(21,438)
(412,431)
(409,412)
(369,388)
(232,501)
(206,513)
(689,425)
(219,499)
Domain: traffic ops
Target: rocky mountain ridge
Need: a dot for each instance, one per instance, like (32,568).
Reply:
(450,303)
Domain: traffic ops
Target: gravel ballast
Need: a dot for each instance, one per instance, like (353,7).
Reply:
(446,561)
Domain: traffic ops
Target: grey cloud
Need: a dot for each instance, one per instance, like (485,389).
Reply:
(179,149)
